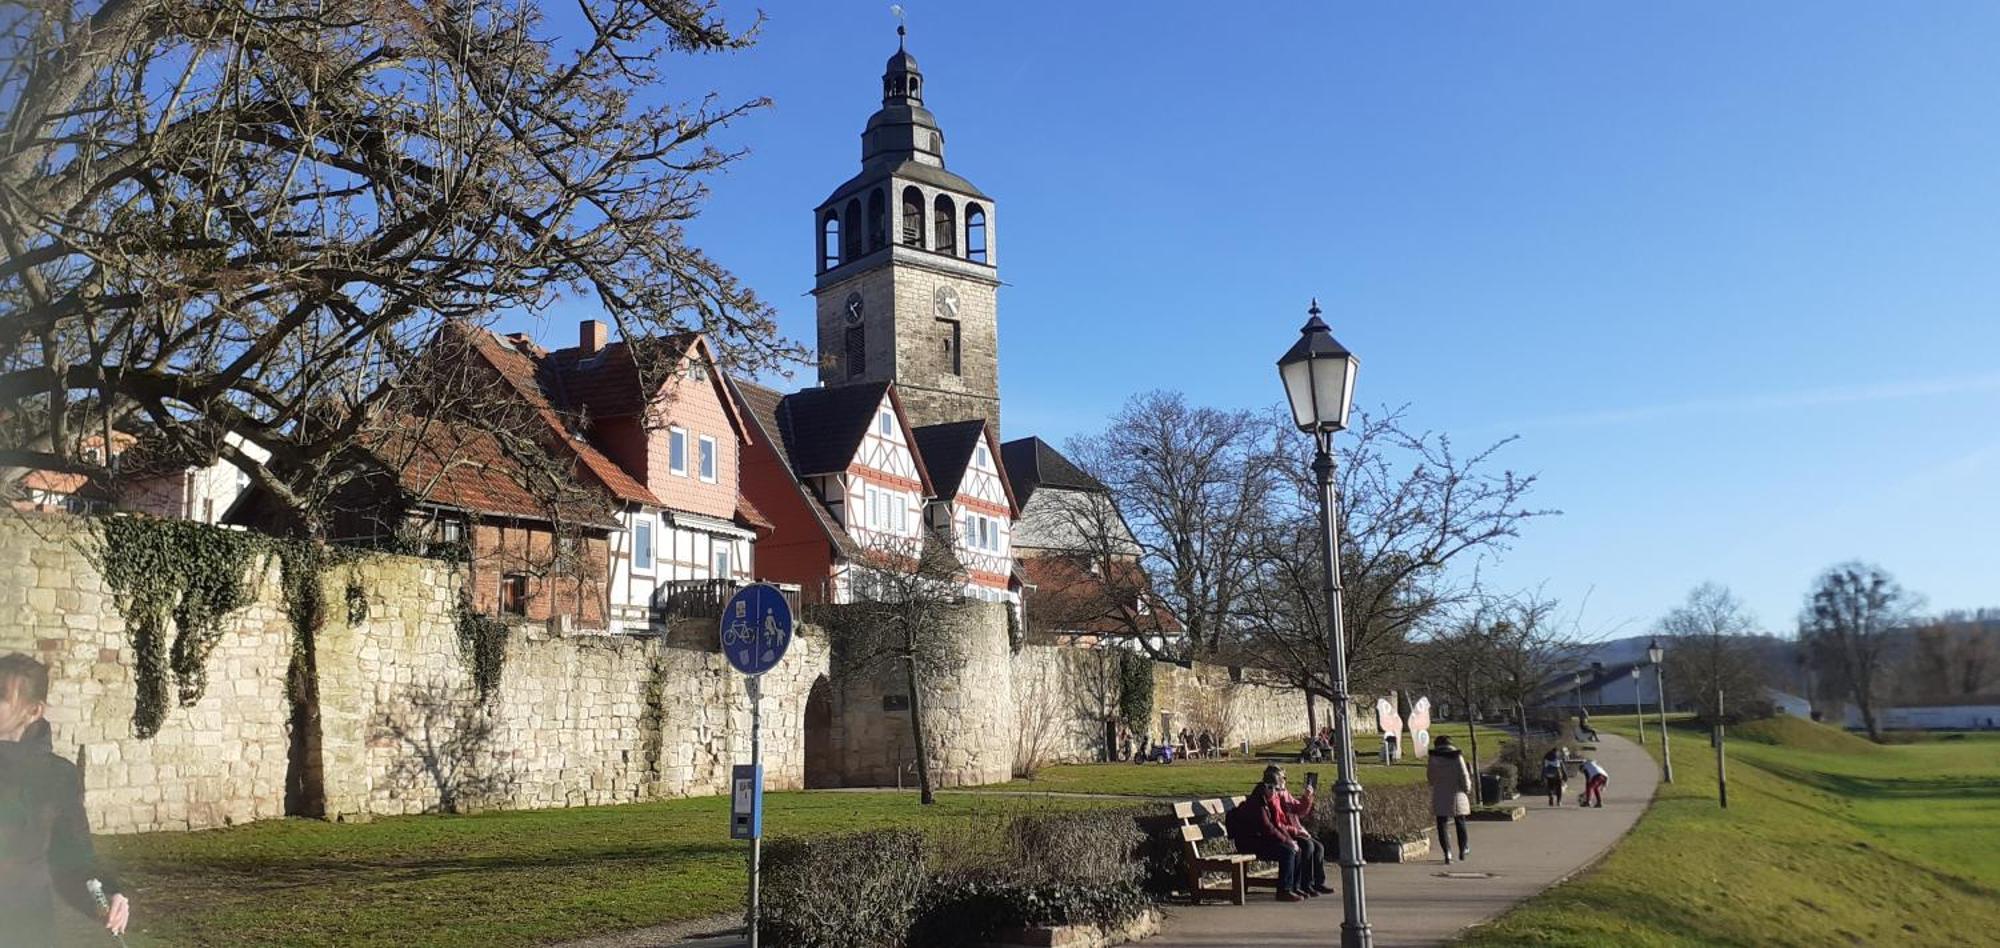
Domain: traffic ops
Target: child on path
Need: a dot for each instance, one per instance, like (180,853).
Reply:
(1594,779)
(1552,776)
(1451,786)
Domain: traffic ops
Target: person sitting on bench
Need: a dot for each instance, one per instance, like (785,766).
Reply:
(1253,826)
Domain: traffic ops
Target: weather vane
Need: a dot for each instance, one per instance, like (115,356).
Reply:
(897,9)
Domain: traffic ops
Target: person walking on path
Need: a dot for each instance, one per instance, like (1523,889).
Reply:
(45,846)
(1309,870)
(1553,778)
(1253,827)
(1451,786)
(1594,779)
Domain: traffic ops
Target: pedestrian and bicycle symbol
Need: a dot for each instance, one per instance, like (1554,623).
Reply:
(756,628)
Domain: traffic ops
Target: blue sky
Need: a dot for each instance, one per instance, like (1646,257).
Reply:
(1730,271)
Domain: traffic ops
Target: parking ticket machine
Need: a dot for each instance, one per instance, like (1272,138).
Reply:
(746,801)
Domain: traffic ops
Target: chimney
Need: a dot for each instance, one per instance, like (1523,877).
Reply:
(591,337)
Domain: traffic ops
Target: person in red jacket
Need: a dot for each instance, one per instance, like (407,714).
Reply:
(1253,827)
(1290,811)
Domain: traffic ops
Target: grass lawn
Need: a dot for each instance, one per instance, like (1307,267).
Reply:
(488,880)
(1828,839)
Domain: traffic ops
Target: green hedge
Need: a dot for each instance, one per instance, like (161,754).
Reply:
(972,908)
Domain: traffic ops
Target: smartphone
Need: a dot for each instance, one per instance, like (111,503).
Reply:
(1312,779)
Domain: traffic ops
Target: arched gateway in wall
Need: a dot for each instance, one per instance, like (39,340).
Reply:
(822,767)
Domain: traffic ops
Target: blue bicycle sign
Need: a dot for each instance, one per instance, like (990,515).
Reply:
(756,628)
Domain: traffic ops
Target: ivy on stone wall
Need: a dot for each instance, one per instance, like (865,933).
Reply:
(482,645)
(176,572)
(1135,689)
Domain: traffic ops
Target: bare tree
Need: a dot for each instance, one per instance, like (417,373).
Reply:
(1955,655)
(1848,626)
(246,218)
(1410,506)
(1712,652)
(1189,483)
(1458,664)
(1526,647)
(906,592)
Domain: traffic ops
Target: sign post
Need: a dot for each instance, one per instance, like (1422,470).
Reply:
(756,631)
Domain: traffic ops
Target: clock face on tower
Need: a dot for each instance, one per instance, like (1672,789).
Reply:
(853,309)
(946,302)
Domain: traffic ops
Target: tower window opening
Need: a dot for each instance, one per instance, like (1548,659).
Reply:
(878,221)
(954,361)
(850,232)
(856,346)
(913,217)
(945,240)
(829,242)
(975,233)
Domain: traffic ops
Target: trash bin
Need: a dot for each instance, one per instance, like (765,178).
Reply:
(1489,789)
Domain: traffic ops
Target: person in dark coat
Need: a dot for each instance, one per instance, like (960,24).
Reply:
(1254,827)
(45,846)
(1451,792)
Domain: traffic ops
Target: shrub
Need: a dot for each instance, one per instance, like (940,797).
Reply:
(1090,845)
(854,891)
(1392,814)
(972,908)
(1510,776)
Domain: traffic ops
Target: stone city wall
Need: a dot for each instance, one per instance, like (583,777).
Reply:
(574,720)
(396,723)
(221,761)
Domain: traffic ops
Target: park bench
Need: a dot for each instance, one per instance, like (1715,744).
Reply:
(1206,849)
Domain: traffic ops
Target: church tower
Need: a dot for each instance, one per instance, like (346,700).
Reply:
(907,280)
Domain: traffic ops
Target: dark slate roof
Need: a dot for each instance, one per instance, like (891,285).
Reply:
(909,170)
(822,427)
(947,451)
(1032,463)
(762,404)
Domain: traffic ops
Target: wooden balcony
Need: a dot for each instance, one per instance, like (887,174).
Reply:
(704,598)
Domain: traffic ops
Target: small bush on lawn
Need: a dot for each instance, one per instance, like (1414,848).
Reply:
(854,891)
(1510,776)
(1088,845)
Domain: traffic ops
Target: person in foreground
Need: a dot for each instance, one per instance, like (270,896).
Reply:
(1451,786)
(1309,873)
(45,846)
(1594,779)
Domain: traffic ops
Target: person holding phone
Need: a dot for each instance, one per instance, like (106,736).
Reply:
(1309,871)
(45,848)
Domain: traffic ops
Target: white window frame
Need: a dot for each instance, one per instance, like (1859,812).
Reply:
(980,457)
(722,558)
(708,459)
(644,527)
(677,435)
(885,423)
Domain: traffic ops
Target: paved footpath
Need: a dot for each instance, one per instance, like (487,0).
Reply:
(1426,903)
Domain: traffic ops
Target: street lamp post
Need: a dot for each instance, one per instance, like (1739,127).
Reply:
(1639,704)
(1653,654)
(1318,374)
